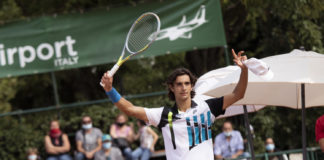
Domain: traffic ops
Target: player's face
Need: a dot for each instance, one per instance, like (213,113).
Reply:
(182,87)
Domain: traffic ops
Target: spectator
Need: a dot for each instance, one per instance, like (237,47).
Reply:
(57,144)
(32,154)
(108,152)
(148,139)
(122,135)
(270,148)
(88,140)
(229,143)
(319,132)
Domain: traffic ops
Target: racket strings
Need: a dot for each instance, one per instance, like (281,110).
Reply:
(143,33)
(140,34)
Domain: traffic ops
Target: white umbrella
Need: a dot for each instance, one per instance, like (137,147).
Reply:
(238,109)
(290,70)
(298,82)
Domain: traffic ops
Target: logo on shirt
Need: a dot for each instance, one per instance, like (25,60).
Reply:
(198,133)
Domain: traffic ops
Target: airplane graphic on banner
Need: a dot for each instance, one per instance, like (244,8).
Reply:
(183,29)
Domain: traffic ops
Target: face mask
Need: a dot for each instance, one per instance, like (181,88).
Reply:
(228,134)
(270,147)
(55,133)
(32,157)
(119,124)
(106,145)
(87,126)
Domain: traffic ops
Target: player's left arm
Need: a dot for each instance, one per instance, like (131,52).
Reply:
(239,91)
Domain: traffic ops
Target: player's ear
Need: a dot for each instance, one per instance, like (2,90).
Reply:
(171,87)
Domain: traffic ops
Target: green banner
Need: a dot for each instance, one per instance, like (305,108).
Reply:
(76,40)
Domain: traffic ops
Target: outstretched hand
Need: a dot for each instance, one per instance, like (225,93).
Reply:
(238,59)
(106,82)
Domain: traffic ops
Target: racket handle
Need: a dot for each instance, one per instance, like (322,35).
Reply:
(113,70)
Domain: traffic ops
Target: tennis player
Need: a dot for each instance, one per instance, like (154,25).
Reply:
(186,127)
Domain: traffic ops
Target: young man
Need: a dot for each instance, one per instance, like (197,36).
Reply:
(186,127)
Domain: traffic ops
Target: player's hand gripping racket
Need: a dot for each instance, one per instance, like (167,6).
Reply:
(140,36)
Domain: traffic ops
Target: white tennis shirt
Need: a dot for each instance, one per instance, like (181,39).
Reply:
(187,136)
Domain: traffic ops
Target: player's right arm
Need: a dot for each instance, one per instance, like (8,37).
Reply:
(124,105)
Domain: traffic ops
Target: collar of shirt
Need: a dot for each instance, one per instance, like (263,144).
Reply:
(193,105)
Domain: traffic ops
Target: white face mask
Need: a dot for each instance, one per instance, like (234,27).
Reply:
(270,147)
(228,134)
(106,145)
(87,126)
(32,157)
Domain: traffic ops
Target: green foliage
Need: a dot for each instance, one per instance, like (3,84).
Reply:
(9,10)
(272,27)
(8,92)
(16,136)
(284,126)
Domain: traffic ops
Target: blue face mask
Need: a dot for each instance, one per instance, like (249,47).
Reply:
(32,157)
(270,147)
(87,126)
(106,145)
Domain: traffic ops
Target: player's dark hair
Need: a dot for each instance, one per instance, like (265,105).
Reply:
(173,76)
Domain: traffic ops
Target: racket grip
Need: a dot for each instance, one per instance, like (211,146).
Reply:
(113,70)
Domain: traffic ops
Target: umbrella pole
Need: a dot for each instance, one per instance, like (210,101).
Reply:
(303,121)
(247,126)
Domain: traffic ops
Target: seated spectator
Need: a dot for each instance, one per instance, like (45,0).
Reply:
(229,143)
(32,154)
(270,148)
(148,138)
(122,135)
(108,152)
(319,132)
(57,144)
(88,140)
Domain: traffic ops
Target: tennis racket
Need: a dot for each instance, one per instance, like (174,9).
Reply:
(140,36)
